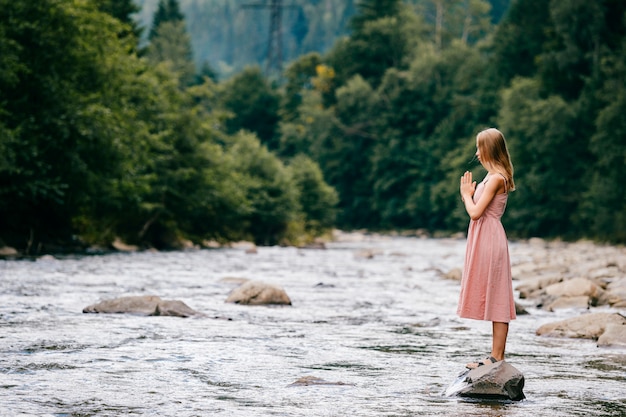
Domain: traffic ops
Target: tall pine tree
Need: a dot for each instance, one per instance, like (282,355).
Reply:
(170,43)
(167,11)
(384,35)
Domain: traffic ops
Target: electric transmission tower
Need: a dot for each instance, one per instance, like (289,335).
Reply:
(274,57)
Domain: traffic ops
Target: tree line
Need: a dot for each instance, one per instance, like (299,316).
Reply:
(390,113)
(101,137)
(229,35)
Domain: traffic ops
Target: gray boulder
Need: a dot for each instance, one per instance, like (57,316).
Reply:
(616,293)
(497,381)
(533,286)
(577,289)
(613,336)
(258,293)
(305,381)
(143,305)
(586,326)
(580,302)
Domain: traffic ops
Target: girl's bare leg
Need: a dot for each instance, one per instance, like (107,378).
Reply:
(498,345)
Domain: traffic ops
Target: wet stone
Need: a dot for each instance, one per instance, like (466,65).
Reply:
(305,381)
(497,381)
(144,305)
(258,293)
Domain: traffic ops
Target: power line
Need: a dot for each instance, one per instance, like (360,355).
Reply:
(274,57)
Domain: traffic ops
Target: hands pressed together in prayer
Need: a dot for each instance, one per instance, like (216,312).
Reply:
(468,187)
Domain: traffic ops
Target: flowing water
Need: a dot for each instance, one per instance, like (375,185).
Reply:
(381,332)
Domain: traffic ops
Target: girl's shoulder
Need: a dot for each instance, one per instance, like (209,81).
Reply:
(496,180)
(494,177)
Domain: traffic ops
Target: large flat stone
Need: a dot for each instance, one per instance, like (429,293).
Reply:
(586,326)
(143,305)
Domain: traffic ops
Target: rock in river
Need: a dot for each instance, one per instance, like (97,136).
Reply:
(590,326)
(613,336)
(499,381)
(305,381)
(258,293)
(144,305)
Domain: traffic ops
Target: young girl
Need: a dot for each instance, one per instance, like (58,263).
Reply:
(486,286)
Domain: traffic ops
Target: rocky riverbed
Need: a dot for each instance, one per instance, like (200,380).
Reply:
(577,278)
(582,278)
(369,329)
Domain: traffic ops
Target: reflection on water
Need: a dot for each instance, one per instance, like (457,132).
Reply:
(381,333)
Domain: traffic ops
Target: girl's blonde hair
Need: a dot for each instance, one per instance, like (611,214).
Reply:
(495,154)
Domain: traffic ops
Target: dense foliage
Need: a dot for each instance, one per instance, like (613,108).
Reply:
(98,143)
(390,113)
(101,138)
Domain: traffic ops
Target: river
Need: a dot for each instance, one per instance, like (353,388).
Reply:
(382,332)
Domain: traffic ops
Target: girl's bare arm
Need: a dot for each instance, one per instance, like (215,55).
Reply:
(467,188)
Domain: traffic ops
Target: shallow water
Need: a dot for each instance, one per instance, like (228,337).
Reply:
(382,331)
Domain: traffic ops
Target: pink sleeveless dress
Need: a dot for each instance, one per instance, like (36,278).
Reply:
(486,284)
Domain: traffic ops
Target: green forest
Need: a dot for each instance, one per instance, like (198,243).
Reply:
(111,128)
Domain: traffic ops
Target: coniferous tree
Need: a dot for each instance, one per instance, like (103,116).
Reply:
(172,46)
(385,34)
(170,43)
(206,71)
(167,11)
(371,10)
(123,11)
(519,40)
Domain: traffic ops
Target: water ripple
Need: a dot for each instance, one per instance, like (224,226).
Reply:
(380,333)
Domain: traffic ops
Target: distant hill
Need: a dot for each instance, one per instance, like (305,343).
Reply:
(228,35)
